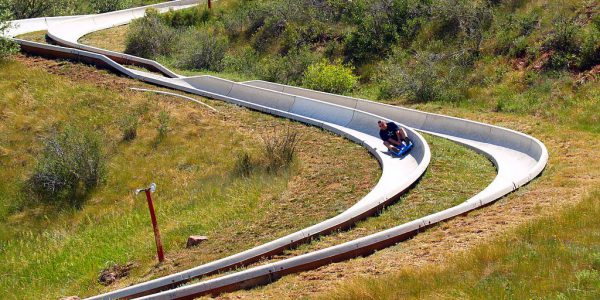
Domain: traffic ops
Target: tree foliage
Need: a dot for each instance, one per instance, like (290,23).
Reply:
(7,46)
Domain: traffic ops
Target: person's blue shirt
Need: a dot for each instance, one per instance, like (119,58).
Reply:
(389,132)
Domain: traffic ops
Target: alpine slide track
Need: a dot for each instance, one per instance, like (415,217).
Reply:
(518,157)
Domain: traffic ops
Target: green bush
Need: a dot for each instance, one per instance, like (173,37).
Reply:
(461,20)
(243,61)
(331,78)
(590,49)
(70,166)
(187,17)
(563,38)
(380,25)
(421,77)
(7,47)
(288,69)
(32,9)
(202,50)
(512,32)
(150,36)
(102,6)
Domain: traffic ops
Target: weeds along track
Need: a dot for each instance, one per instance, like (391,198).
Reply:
(518,157)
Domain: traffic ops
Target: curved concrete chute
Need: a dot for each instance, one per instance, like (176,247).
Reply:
(388,186)
(35,24)
(518,157)
(68,33)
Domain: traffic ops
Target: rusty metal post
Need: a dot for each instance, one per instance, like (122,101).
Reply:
(159,247)
(209,4)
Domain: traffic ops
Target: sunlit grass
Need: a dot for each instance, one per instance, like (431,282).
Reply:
(557,257)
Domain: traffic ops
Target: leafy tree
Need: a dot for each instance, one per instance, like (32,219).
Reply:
(7,46)
(25,9)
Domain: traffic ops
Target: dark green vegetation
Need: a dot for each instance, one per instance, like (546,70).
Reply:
(525,57)
(6,46)
(69,167)
(25,9)
(557,257)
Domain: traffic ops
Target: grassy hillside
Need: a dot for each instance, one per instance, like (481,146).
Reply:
(50,249)
(55,250)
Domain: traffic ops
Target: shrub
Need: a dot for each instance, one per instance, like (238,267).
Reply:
(563,38)
(288,69)
(102,6)
(128,126)
(332,78)
(187,17)
(590,49)
(150,36)
(70,166)
(7,47)
(421,78)
(463,19)
(381,24)
(202,50)
(511,34)
(280,149)
(244,61)
(31,9)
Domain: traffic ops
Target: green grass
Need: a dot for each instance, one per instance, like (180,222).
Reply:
(51,251)
(36,36)
(557,257)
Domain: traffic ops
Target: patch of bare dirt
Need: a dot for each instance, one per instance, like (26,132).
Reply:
(79,73)
(114,272)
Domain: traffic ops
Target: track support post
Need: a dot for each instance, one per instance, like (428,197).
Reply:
(159,248)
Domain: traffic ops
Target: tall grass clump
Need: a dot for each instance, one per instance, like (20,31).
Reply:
(150,36)
(69,168)
(331,78)
(128,126)
(244,166)
(163,128)
(280,149)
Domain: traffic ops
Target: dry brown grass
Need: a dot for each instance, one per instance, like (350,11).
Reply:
(110,39)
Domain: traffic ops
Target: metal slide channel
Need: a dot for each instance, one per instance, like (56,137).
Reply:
(518,157)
